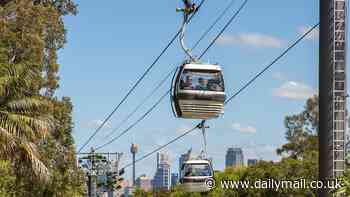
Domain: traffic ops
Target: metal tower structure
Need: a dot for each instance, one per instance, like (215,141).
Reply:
(332,89)
(97,166)
(134,149)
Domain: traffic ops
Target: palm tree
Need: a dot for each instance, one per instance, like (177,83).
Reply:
(24,122)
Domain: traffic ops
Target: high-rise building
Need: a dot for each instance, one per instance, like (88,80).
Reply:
(183,158)
(162,157)
(174,179)
(333,91)
(162,178)
(234,157)
(252,162)
(144,182)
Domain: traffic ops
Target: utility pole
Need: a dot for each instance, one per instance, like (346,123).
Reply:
(92,175)
(100,164)
(93,186)
(114,171)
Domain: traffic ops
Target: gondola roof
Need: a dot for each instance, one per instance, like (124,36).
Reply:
(197,66)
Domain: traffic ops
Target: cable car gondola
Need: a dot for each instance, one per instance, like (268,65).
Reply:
(194,174)
(198,91)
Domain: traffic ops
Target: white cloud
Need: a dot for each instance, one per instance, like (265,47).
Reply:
(261,151)
(294,90)
(243,129)
(279,76)
(251,39)
(93,124)
(314,35)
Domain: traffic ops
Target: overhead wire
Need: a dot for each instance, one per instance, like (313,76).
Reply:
(246,85)
(162,81)
(224,28)
(234,95)
(205,51)
(223,13)
(163,146)
(135,123)
(137,82)
(154,90)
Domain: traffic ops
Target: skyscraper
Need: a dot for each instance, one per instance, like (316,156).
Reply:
(174,179)
(252,162)
(144,182)
(183,158)
(162,157)
(162,177)
(234,157)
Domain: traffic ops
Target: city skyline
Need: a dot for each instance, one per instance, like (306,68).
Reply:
(162,157)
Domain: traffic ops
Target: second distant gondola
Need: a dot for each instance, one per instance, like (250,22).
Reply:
(194,175)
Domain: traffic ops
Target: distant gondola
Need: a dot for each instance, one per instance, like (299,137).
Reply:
(195,174)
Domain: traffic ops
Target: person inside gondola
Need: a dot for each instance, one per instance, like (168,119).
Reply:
(189,172)
(205,171)
(214,85)
(187,84)
(202,84)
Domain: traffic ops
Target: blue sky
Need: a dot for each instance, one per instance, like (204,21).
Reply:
(110,44)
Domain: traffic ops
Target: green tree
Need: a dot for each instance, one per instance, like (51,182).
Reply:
(59,153)
(7,179)
(32,31)
(302,132)
(23,120)
(35,127)
(141,193)
(345,187)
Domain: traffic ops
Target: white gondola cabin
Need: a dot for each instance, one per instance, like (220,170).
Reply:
(198,91)
(194,174)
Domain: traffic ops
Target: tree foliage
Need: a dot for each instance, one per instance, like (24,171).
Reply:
(7,179)
(299,161)
(302,132)
(24,122)
(37,154)
(32,32)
